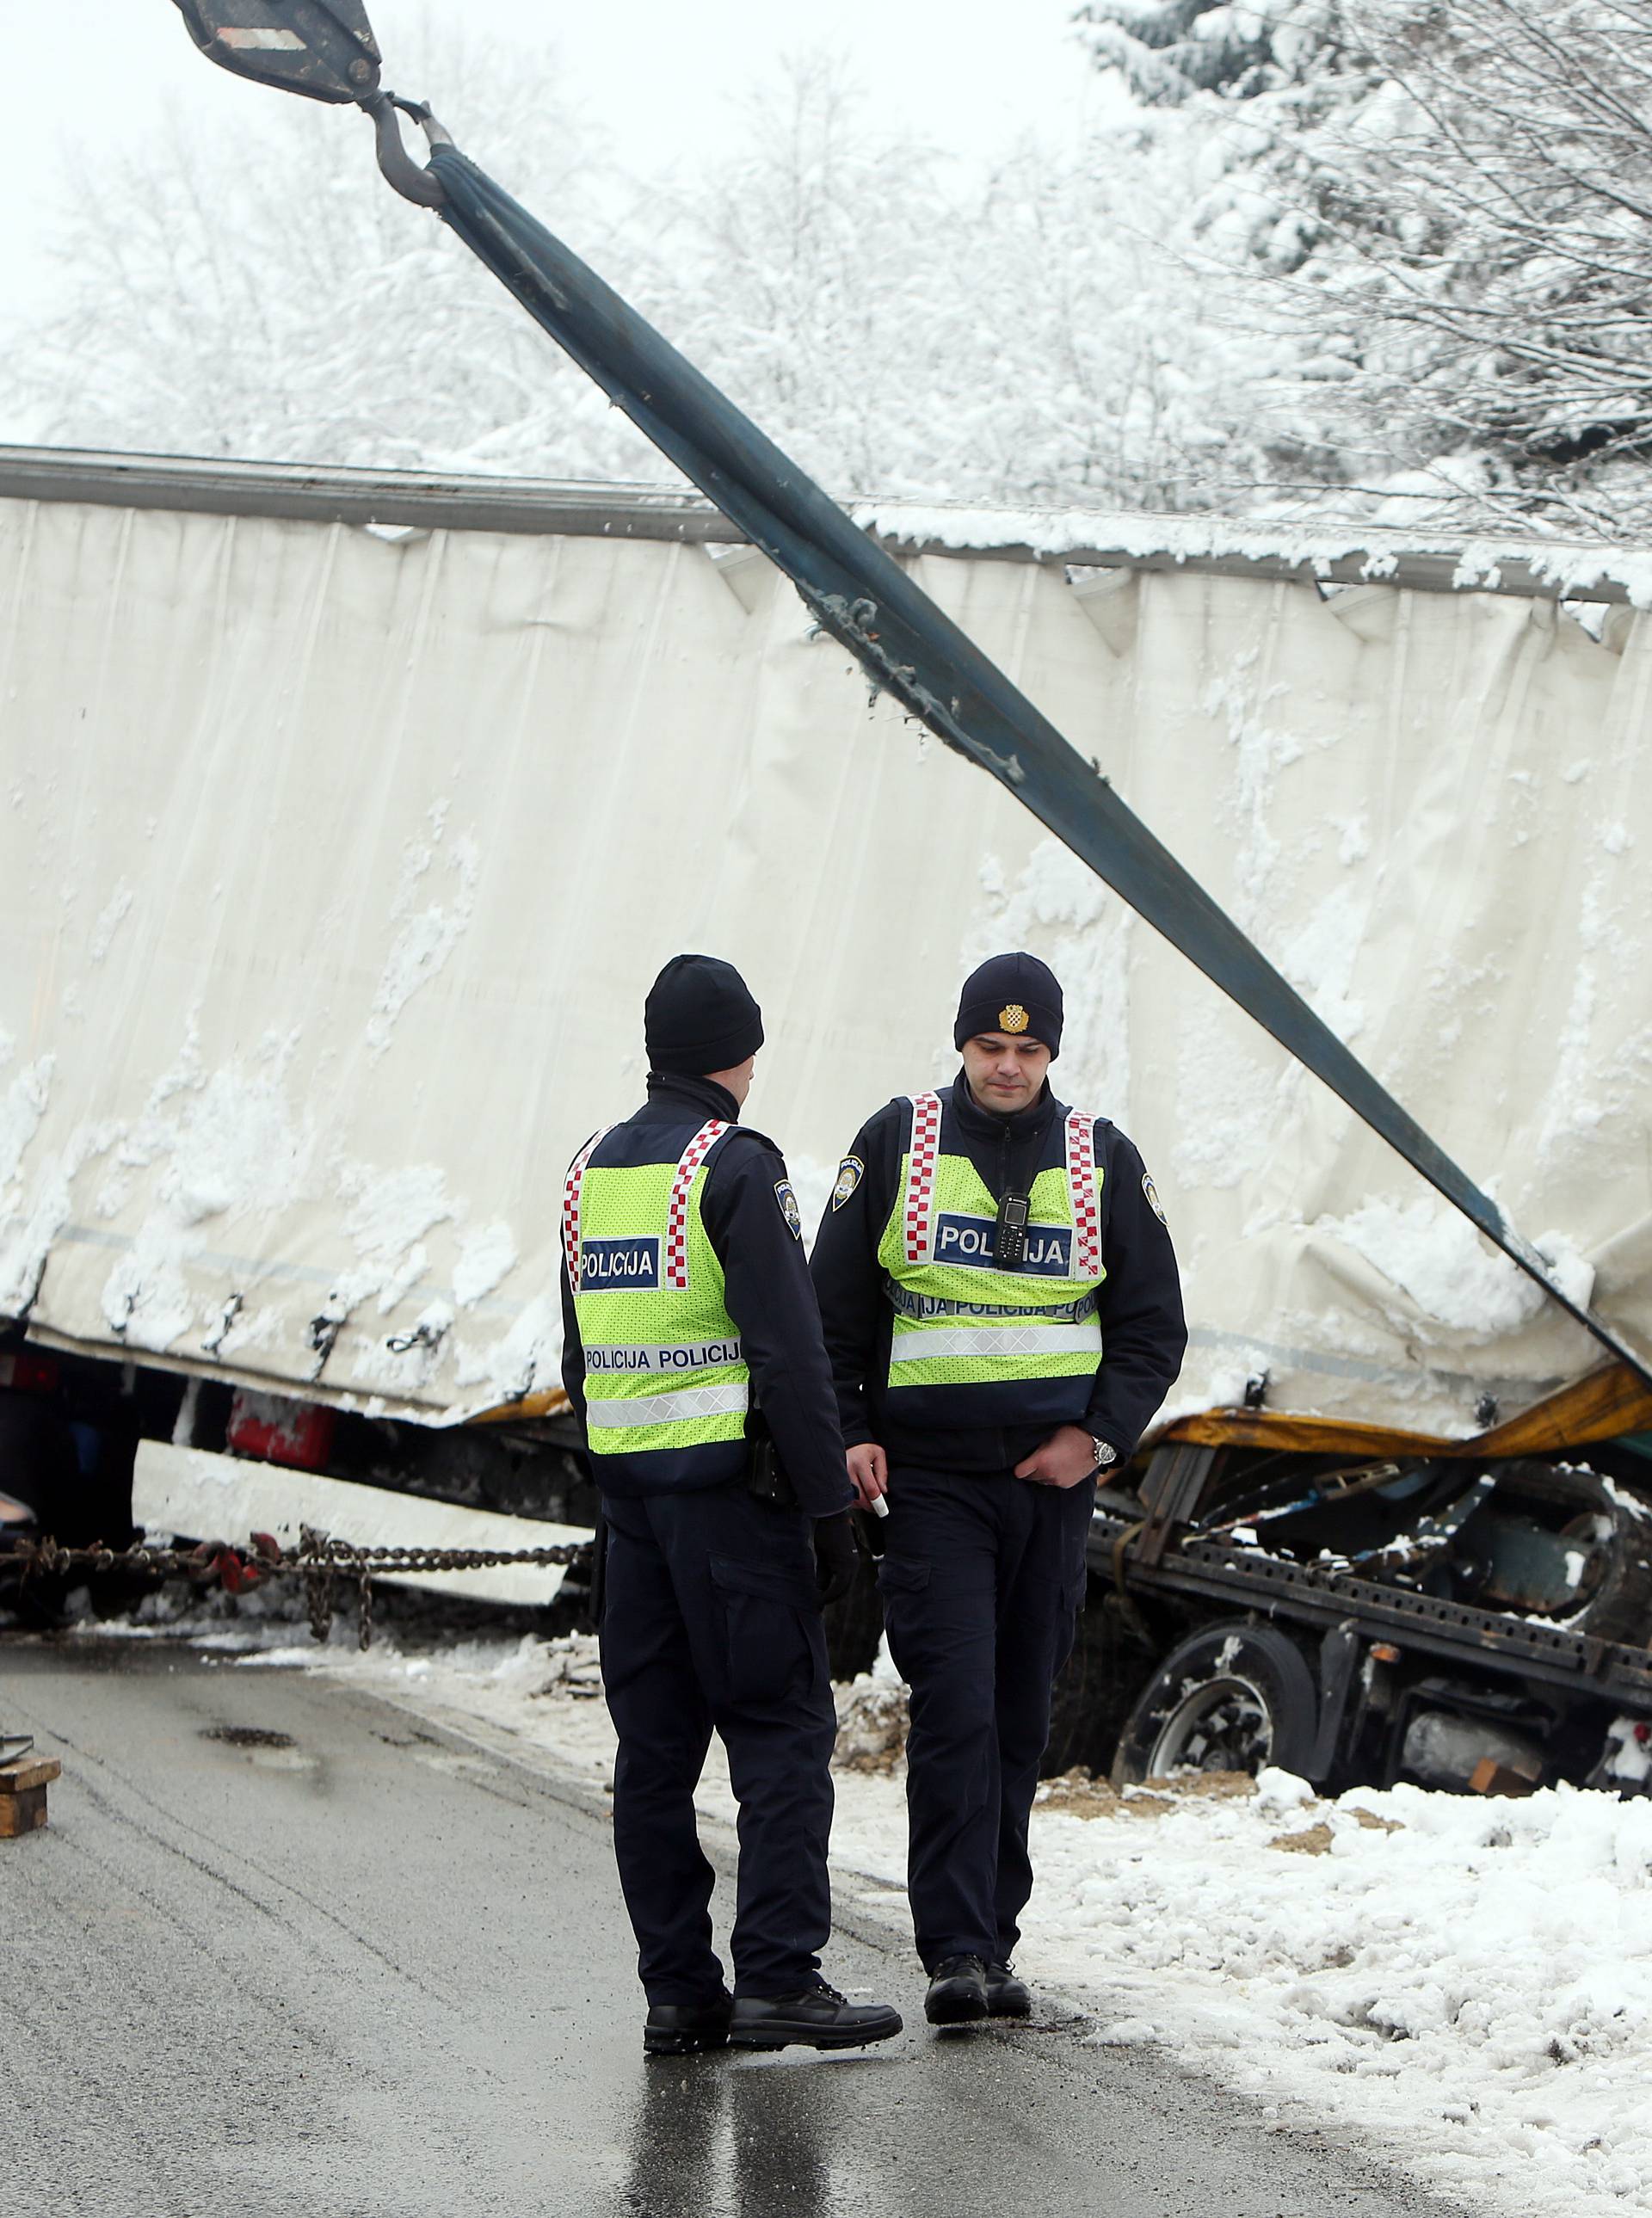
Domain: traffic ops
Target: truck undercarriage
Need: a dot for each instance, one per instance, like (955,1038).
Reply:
(1466,1625)
(1475,1622)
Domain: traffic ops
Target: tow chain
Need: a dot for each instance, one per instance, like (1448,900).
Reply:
(320,1559)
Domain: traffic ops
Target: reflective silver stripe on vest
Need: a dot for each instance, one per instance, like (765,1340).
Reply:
(725,1399)
(604,1361)
(910,1347)
(936,1305)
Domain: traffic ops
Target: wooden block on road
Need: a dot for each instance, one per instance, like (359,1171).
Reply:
(22,1795)
(22,1813)
(26,1771)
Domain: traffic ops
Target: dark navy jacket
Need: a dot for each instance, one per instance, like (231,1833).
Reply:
(1143,1331)
(769,1297)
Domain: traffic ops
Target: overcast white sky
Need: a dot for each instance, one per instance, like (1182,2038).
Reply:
(655,73)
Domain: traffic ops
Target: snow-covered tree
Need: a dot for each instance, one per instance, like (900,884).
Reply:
(908,329)
(1089,367)
(811,277)
(1435,212)
(1483,267)
(1168,50)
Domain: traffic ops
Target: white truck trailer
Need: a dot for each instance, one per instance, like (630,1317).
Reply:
(345,817)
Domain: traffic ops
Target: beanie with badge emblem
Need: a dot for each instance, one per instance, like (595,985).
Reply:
(1013,993)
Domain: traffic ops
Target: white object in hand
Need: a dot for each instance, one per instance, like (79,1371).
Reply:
(878,1505)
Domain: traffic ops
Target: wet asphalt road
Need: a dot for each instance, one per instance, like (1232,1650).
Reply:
(383,1973)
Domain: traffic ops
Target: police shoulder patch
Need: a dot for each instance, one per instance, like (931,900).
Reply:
(789,1209)
(1154,1202)
(851,1171)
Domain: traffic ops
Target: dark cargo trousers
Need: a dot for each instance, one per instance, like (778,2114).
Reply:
(710,1620)
(982,1579)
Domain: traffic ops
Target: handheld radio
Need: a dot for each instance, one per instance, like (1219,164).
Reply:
(1009,1235)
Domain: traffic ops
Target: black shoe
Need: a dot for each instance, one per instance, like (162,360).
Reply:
(957,1991)
(686,2028)
(1006,1995)
(816,2016)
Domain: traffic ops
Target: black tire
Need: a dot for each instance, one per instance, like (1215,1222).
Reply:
(1233,1697)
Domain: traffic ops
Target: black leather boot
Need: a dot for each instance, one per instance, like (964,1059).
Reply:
(815,2016)
(1006,1995)
(957,1991)
(686,2028)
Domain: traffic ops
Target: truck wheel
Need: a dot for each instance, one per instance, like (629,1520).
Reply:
(1233,1697)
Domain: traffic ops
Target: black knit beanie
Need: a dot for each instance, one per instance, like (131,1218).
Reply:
(700,1016)
(1014,994)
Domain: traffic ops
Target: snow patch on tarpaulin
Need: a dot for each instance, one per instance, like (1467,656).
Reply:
(526,1360)
(390,1210)
(22,1106)
(215,1155)
(235,1144)
(1450,1275)
(485,1256)
(109,920)
(27,1236)
(427,930)
(212,1149)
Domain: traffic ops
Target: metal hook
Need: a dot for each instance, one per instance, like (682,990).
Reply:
(410,178)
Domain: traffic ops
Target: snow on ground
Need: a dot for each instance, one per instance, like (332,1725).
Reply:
(1462,1983)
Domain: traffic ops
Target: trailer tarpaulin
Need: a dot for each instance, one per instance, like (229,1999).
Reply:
(333,869)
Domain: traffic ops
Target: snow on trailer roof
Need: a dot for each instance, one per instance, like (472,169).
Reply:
(1327,552)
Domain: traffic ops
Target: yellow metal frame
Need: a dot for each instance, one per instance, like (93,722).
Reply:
(1598,1407)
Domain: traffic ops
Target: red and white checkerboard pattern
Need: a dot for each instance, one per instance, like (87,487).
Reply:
(1086,1198)
(677,1211)
(572,1190)
(919,1210)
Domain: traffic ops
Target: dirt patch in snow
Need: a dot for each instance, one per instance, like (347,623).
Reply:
(1317,1840)
(1080,1794)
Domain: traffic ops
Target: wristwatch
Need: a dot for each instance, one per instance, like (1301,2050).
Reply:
(1104,1451)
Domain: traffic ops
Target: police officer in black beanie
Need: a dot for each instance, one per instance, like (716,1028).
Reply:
(1004,1316)
(693,1359)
